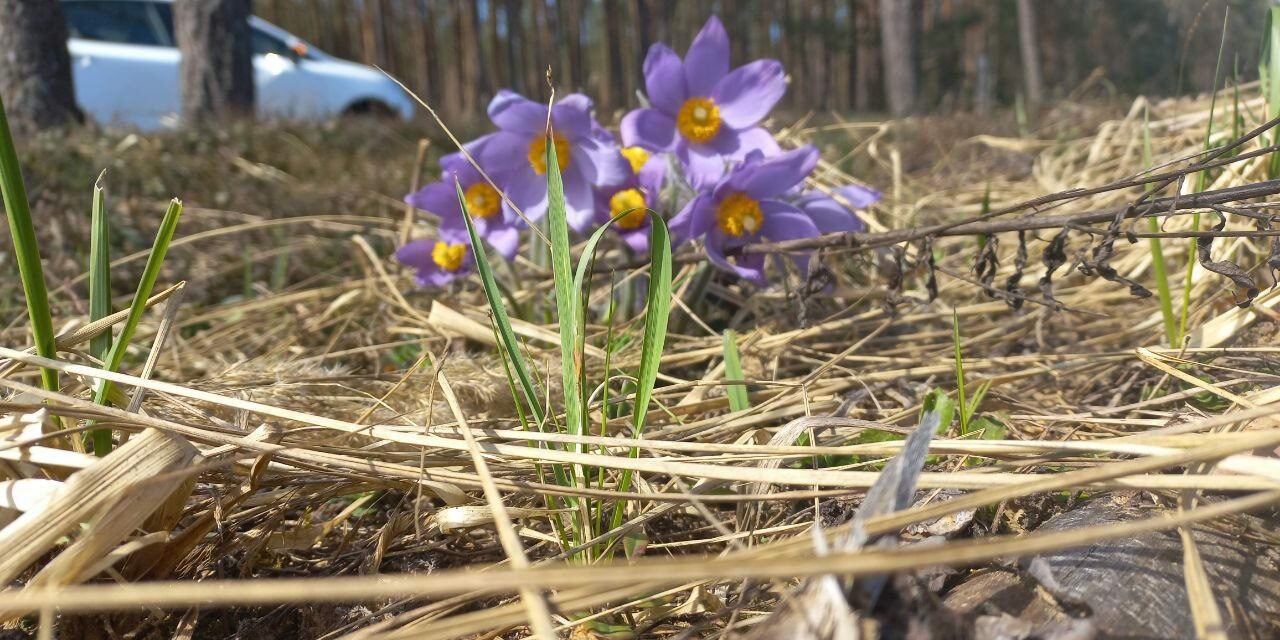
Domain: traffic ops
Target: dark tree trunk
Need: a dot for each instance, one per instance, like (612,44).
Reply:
(899,56)
(217,58)
(35,69)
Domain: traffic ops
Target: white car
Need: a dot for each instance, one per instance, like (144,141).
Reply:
(125,67)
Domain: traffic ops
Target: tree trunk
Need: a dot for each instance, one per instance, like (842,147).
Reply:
(496,55)
(470,52)
(35,69)
(899,56)
(1030,58)
(216,74)
(865,53)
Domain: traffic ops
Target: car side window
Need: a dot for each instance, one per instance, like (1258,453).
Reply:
(264,44)
(118,22)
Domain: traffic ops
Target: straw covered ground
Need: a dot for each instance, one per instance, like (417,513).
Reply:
(315,449)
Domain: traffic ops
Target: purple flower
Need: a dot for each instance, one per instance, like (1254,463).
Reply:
(702,111)
(831,215)
(438,262)
(517,154)
(498,226)
(745,207)
(639,193)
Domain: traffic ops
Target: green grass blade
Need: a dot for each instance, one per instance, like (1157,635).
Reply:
(738,399)
(150,273)
(959,367)
(1202,183)
(657,314)
(99,272)
(26,251)
(493,295)
(1269,74)
(1157,250)
(570,314)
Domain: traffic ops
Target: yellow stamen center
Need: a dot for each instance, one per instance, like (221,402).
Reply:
(739,215)
(483,200)
(538,153)
(636,156)
(699,119)
(626,199)
(448,256)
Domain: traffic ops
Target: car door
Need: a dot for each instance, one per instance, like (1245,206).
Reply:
(285,86)
(124,63)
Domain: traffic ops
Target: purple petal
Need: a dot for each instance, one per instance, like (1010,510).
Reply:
(514,112)
(693,221)
(748,267)
(652,174)
(571,116)
(755,139)
(664,79)
(436,277)
(828,215)
(703,163)
(859,197)
(505,240)
(601,163)
(503,152)
(528,191)
(416,254)
(773,176)
(707,60)
(456,233)
(748,93)
(637,239)
(579,200)
(440,198)
(785,222)
(649,129)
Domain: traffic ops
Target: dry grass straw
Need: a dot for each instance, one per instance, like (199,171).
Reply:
(317,466)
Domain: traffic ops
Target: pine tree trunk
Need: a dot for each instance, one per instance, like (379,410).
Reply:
(1030,58)
(899,56)
(573,34)
(496,55)
(865,63)
(468,47)
(216,73)
(35,68)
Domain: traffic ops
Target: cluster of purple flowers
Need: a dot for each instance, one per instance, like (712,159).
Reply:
(698,148)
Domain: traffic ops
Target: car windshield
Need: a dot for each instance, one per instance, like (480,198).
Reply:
(145,23)
(121,22)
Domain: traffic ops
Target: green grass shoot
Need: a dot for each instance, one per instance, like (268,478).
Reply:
(150,273)
(738,399)
(1202,183)
(1269,75)
(1158,269)
(27,251)
(99,271)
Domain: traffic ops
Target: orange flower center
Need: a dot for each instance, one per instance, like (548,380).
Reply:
(483,200)
(739,215)
(636,156)
(699,119)
(448,256)
(538,153)
(628,200)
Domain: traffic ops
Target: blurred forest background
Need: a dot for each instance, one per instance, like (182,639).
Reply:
(960,55)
